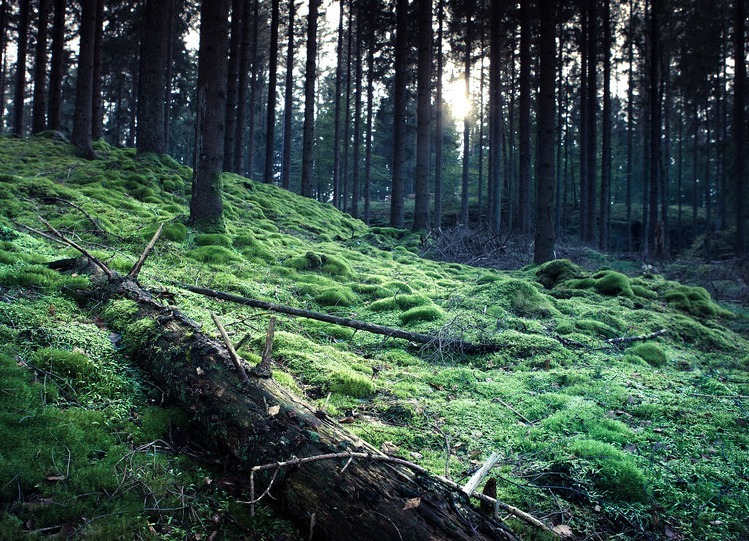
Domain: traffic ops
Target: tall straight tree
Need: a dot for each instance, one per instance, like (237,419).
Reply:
(524,127)
(254,87)
(270,137)
(630,123)
(605,216)
(240,135)
(371,44)
(337,110)
(544,236)
(494,179)
(355,182)
(84,88)
(423,115)
(206,206)
(39,109)
(57,67)
(21,52)
(739,125)
(168,76)
(232,83)
(438,121)
(97,101)
(397,190)
(591,117)
(654,160)
(3,56)
(464,218)
(308,138)
(288,101)
(151,136)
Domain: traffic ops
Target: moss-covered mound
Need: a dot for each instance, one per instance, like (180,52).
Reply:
(648,433)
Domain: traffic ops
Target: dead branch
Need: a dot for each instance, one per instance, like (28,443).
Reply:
(458,345)
(75,246)
(262,369)
(232,353)
(628,339)
(133,274)
(513,410)
(96,224)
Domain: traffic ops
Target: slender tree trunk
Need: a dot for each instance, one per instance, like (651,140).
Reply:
(679,179)
(480,144)
(590,118)
(345,185)
(630,124)
(494,180)
(560,144)
(133,105)
(270,130)
(84,91)
(308,143)
(151,136)
(438,119)
(171,21)
(254,89)
(544,235)
(21,52)
(739,126)
(97,103)
(399,114)
(39,110)
(524,127)
(206,206)
(464,189)
(655,130)
(605,216)
(57,68)
(232,88)
(3,58)
(337,112)
(707,185)
(665,164)
(584,43)
(240,129)
(370,114)
(423,115)
(695,175)
(355,186)
(288,102)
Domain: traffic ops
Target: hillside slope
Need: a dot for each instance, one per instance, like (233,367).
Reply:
(642,438)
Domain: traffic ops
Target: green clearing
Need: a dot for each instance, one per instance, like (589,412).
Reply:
(621,442)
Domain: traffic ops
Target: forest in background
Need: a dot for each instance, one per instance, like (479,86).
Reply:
(621,124)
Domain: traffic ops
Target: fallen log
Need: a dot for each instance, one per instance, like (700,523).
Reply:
(420,338)
(261,423)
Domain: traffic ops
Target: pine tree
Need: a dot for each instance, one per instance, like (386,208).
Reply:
(81,135)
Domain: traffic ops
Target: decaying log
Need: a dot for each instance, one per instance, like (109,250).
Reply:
(259,422)
(420,338)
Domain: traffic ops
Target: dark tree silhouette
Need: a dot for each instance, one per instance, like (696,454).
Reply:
(232,88)
(206,207)
(494,181)
(57,67)
(605,216)
(3,55)
(438,121)
(245,58)
(288,101)
(524,127)
(270,137)
(21,53)
(84,88)
(739,125)
(97,103)
(397,191)
(39,109)
(308,141)
(423,115)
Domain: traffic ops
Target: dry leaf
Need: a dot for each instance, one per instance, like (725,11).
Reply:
(199,371)
(273,410)
(412,503)
(563,531)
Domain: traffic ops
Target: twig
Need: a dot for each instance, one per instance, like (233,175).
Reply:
(627,339)
(96,224)
(133,274)
(233,354)
(522,515)
(513,410)
(477,477)
(42,234)
(447,444)
(85,252)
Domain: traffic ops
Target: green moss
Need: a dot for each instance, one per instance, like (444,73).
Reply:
(643,292)
(68,364)
(422,313)
(213,239)
(119,313)
(695,301)
(398,287)
(351,384)
(650,353)
(551,273)
(174,232)
(613,284)
(615,472)
(217,255)
(156,423)
(329,264)
(336,296)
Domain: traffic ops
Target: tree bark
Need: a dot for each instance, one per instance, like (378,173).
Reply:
(84,90)
(524,127)
(97,102)
(494,179)
(39,109)
(544,234)
(655,131)
(57,67)
(288,101)
(333,499)
(438,121)
(206,206)
(170,30)
(397,191)
(270,130)
(152,78)
(605,210)
(739,126)
(232,83)
(3,57)
(355,181)
(19,99)
(308,142)
(243,79)
(370,114)
(423,115)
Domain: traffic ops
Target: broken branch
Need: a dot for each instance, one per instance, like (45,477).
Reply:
(133,274)
(232,353)
(82,250)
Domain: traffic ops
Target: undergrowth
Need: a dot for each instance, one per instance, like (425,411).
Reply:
(616,440)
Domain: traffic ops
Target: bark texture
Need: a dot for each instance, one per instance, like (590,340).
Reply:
(151,136)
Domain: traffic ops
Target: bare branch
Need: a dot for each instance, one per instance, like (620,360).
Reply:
(72,244)
(133,274)
(232,353)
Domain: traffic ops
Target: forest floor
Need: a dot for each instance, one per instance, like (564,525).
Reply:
(600,438)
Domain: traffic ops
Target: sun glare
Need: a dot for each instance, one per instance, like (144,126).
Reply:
(456,99)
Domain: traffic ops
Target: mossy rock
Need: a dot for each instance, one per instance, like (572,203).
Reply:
(650,353)
(551,273)
(422,313)
(695,301)
(613,284)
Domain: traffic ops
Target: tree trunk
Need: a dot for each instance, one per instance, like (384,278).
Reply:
(3,58)
(240,131)
(57,68)
(39,110)
(590,118)
(84,91)
(288,102)
(654,227)
(308,142)
(232,83)
(152,78)
(355,182)
(97,103)
(259,423)
(206,207)
(423,115)
(524,128)
(397,217)
(370,113)
(21,52)
(494,180)
(605,215)
(337,110)
(544,235)
(345,192)
(585,211)
(270,137)
(171,21)
(254,90)
(739,126)
(630,126)
(439,122)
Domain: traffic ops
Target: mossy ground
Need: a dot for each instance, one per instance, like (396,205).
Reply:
(613,441)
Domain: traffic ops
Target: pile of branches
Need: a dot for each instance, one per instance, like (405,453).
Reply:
(479,247)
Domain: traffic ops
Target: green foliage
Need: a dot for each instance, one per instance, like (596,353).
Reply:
(650,353)
(431,312)
(551,273)
(613,471)
(216,255)
(613,283)
(328,264)
(336,296)
(213,239)
(695,301)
